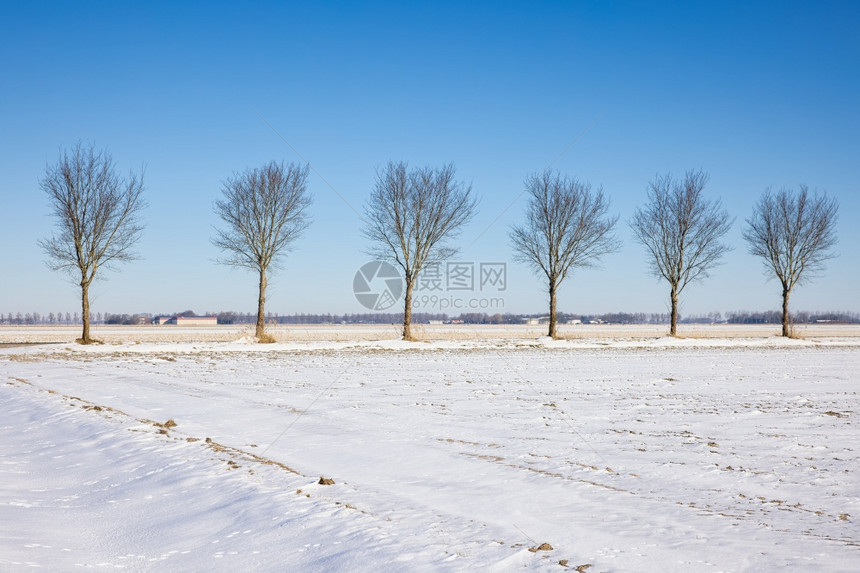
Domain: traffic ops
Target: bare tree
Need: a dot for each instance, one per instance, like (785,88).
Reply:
(794,234)
(97,214)
(410,215)
(682,232)
(265,211)
(566,227)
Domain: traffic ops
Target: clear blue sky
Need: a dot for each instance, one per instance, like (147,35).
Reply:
(757,94)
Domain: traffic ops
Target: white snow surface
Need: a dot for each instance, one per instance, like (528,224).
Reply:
(625,455)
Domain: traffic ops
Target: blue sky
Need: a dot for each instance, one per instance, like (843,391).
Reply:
(757,94)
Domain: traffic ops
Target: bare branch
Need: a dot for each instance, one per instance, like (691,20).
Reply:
(681,231)
(411,214)
(97,214)
(265,212)
(794,234)
(566,227)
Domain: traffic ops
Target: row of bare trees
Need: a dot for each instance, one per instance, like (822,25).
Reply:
(413,213)
(568,226)
(98,218)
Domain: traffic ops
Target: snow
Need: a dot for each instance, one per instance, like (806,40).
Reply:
(628,454)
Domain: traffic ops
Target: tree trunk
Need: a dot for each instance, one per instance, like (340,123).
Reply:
(553,329)
(786,321)
(673,321)
(407,312)
(85,309)
(261,305)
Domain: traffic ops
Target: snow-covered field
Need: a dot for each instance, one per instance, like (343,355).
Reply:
(434,332)
(625,454)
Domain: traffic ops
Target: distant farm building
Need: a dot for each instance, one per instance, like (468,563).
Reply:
(187,320)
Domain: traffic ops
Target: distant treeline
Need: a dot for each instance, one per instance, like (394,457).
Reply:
(775,317)
(229,317)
